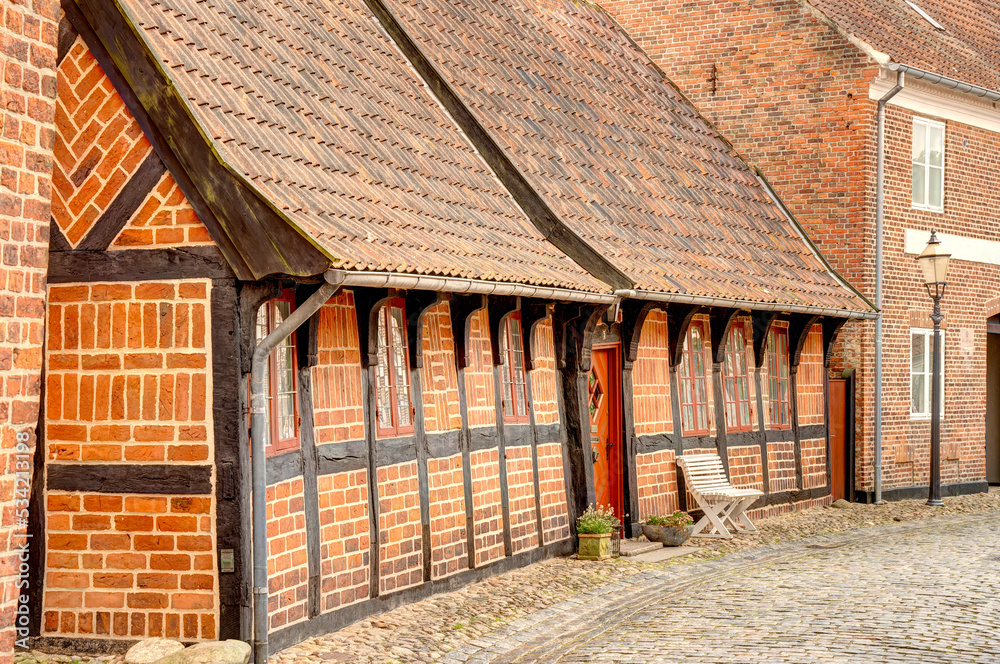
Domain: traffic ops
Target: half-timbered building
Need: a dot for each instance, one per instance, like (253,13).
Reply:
(506,270)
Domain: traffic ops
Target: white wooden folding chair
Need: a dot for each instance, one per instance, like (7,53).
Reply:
(721,502)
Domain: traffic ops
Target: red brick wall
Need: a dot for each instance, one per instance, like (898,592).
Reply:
(521,498)
(345,544)
(811,407)
(439,376)
(813,463)
(656,475)
(338,414)
(487,506)
(129,566)
(165,219)
(972,196)
(287,555)
(651,378)
(28,34)
(447,502)
(745,468)
(781,466)
(98,146)
(479,373)
(127,372)
(400,544)
(544,377)
(552,488)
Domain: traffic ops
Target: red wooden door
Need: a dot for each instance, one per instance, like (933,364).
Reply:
(838,437)
(605,408)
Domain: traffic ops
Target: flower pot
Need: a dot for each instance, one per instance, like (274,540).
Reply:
(667,535)
(595,547)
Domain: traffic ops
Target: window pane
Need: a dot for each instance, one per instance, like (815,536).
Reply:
(702,417)
(382,376)
(688,423)
(745,413)
(397,336)
(935,188)
(918,395)
(919,143)
(937,146)
(918,185)
(918,361)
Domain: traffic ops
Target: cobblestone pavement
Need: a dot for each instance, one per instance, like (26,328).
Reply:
(486,620)
(915,592)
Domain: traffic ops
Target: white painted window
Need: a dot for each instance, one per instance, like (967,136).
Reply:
(921,372)
(928,164)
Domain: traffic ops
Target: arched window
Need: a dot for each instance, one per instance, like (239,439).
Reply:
(282,430)
(515,395)
(693,379)
(392,374)
(736,381)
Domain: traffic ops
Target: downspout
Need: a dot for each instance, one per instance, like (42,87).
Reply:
(258,401)
(879,212)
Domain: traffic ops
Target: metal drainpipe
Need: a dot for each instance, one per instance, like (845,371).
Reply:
(879,205)
(258,402)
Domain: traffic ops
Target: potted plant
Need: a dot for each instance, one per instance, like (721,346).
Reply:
(595,528)
(670,530)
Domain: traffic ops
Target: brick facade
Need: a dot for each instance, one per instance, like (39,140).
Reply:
(28,36)
(345,539)
(122,565)
(479,373)
(521,498)
(552,488)
(164,219)
(487,506)
(338,413)
(287,556)
(400,549)
(127,372)
(651,378)
(657,478)
(447,502)
(99,145)
(745,469)
(544,375)
(438,376)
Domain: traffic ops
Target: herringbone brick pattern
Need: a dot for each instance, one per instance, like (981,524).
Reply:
(545,398)
(165,219)
(98,146)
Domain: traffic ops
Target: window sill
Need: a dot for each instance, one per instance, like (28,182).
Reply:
(923,418)
(927,208)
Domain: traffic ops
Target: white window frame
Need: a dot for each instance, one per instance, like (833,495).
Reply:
(924,125)
(928,336)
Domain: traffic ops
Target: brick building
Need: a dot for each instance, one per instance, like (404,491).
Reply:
(795,85)
(505,268)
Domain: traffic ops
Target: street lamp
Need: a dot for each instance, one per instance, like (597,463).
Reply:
(934,263)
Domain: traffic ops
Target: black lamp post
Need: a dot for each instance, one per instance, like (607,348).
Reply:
(935,266)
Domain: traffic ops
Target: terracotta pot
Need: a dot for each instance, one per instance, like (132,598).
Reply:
(667,535)
(595,547)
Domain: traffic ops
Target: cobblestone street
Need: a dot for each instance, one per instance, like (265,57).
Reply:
(919,592)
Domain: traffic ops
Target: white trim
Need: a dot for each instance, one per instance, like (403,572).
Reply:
(928,336)
(960,247)
(925,125)
(927,17)
(928,99)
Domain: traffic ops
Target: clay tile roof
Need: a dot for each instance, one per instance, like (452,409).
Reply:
(618,154)
(968,49)
(310,103)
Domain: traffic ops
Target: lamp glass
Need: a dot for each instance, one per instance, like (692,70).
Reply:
(934,263)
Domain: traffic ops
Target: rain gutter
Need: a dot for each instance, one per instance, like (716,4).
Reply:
(879,268)
(730,303)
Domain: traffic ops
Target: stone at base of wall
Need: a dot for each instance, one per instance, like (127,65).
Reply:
(911,492)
